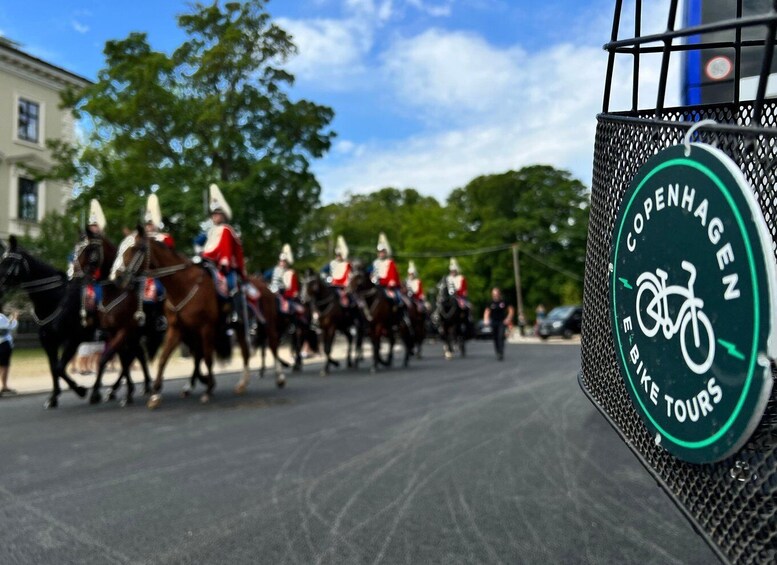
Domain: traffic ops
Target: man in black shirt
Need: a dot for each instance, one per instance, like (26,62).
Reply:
(499,315)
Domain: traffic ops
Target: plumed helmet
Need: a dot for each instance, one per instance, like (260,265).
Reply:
(383,244)
(218,203)
(454,265)
(286,254)
(411,269)
(96,216)
(341,248)
(154,212)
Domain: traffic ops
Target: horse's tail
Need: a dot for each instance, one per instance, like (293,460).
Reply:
(223,345)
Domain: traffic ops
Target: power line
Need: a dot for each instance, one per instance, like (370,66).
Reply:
(479,251)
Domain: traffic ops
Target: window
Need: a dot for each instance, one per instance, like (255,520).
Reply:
(28,200)
(28,120)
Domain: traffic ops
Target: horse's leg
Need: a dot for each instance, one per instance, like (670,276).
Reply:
(115,343)
(392,340)
(375,338)
(273,339)
(244,349)
(126,356)
(52,354)
(140,354)
(69,350)
(207,354)
(172,339)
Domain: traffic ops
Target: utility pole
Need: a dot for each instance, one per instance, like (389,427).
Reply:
(517,272)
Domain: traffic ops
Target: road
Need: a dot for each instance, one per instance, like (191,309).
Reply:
(465,461)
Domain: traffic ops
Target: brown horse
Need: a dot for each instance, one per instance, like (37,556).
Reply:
(194,313)
(382,316)
(332,317)
(266,331)
(121,315)
(451,321)
(418,314)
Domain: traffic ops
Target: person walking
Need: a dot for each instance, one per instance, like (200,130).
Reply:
(499,315)
(7,327)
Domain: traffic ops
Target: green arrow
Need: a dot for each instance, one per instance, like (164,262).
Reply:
(625,283)
(732,350)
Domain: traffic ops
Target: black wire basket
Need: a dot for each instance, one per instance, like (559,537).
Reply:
(731,503)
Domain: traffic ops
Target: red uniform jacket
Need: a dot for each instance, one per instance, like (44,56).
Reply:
(386,272)
(416,288)
(223,247)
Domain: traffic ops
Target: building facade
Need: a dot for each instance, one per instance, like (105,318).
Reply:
(29,115)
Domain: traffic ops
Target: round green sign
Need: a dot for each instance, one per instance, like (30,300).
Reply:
(692,277)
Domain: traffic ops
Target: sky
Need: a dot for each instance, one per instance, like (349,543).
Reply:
(427,94)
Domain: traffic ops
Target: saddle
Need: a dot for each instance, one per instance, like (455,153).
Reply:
(289,307)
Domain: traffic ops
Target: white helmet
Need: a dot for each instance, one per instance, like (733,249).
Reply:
(411,269)
(454,265)
(286,254)
(341,248)
(154,212)
(383,244)
(218,203)
(96,216)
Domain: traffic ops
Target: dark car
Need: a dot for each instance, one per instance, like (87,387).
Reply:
(563,321)
(483,330)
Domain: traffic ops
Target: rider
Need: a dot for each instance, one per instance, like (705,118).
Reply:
(93,293)
(339,270)
(457,286)
(384,270)
(223,246)
(284,280)
(415,287)
(154,292)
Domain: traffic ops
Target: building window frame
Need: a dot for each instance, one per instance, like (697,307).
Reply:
(22,136)
(28,200)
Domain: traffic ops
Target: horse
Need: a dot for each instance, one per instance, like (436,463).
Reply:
(266,330)
(56,304)
(418,315)
(122,314)
(193,311)
(451,320)
(332,317)
(382,317)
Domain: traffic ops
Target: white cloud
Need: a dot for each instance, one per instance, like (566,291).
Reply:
(487,110)
(438,9)
(79,27)
(330,51)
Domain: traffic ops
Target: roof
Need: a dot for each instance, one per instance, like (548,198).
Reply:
(16,57)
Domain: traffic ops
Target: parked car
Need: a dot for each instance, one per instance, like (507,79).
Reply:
(483,330)
(564,321)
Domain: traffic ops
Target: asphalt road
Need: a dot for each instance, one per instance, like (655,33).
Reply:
(467,461)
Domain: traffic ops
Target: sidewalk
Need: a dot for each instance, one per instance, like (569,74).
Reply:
(30,373)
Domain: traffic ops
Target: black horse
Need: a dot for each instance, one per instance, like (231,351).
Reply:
(452,321)
(332,317)
(57,311)
(133,328)
(383,316)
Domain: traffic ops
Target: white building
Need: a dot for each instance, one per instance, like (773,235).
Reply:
(29,115)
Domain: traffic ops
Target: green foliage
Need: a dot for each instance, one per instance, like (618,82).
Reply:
(58,234)
(545,211)
(214,111)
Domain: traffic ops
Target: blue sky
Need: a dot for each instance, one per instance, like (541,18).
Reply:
(428,94)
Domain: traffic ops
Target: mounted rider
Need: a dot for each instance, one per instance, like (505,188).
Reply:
(92,293)
(457,284)
(284,281)
(384,270)
(414,286)
(223,249)
(457,287)
(154,292)
(339,271)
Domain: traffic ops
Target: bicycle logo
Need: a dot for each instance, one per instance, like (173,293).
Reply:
(654,290)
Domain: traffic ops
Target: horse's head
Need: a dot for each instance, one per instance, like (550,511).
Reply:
(360,280)
(14,266)
(311,286)
(132,258)
(93,256)
(444,294)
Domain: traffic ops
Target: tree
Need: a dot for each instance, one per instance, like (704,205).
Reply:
(215,110)
(541,208)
